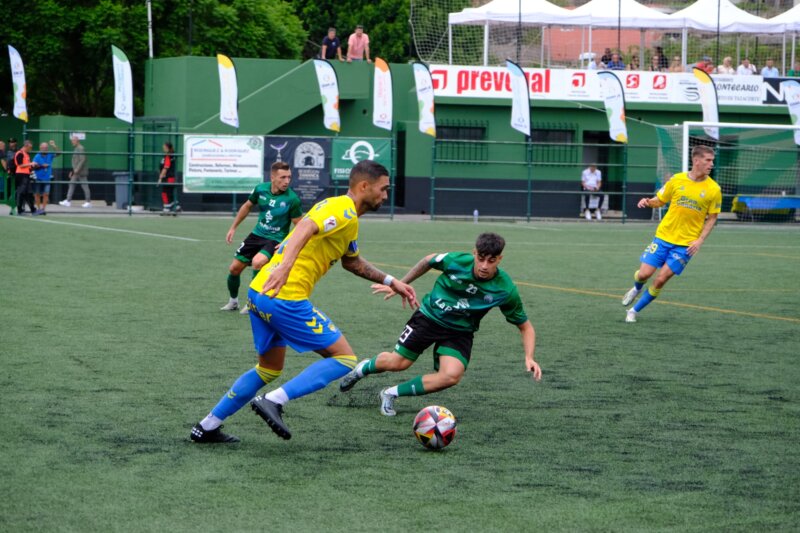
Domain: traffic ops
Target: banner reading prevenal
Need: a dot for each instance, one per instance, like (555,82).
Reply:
(228,91)
(424,84)
(520,99)
(614,100)
(382,95)
(791,91)
(123,85)
(20,88)
(329,91)
(222,163)
(708,100)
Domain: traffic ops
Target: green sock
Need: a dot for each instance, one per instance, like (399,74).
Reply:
(412,387)
(255,272)
(369,368)
(233,285)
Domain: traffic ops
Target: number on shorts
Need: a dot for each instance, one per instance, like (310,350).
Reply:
(406,333)
(652,248)
(239,249)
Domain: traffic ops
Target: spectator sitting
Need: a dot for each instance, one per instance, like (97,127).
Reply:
(726,67)
(794,72)
(331,46)
(606,57)
(705,65)
(634,64)
(676,65)
(769,71)
(746,67)
(616,63)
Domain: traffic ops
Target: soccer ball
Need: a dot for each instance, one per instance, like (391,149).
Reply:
(435,427)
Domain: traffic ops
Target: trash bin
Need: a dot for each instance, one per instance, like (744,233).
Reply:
(121,198)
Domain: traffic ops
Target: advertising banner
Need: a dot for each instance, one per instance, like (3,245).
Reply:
(20,88)
(582,85)
(614,101)
(329,92)
(222,163)
(228,92)
(382,96)
(425,91)
(308,159)
(520,99)
(791,89)
(349,151)
(123,85)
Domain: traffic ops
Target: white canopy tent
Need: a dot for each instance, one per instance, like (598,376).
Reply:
(790,20)
(721,16)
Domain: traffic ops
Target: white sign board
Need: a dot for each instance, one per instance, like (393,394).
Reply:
(222,163)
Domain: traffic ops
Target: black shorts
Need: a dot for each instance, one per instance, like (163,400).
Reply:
(420,332)
(252,245)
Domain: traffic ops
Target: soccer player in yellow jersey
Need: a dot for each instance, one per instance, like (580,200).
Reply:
(281,314)
(695,202)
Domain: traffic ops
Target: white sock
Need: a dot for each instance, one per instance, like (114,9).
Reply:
(392,391)
(234,300)
(210,422)
(278,396)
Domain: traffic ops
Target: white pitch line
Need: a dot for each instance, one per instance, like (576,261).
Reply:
(103,228)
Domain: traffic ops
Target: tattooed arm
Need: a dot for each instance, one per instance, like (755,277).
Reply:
(364,269)
(419,269)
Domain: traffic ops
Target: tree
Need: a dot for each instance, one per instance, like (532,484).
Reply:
(66,44)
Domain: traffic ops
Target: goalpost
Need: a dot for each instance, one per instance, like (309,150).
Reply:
(757,165)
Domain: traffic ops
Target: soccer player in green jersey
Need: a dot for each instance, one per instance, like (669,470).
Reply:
(278,208)
(470,285)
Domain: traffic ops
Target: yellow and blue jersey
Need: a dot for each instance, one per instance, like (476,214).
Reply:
(689,204)
(337,221)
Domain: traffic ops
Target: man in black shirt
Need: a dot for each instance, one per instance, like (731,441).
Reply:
(331,46)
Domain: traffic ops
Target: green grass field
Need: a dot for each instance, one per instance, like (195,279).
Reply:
(113,346)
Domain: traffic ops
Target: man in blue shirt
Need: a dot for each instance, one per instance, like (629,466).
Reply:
(331,46)
(616,63)
(43,170)
(770,71)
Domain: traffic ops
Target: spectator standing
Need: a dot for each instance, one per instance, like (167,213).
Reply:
(3,168)
(676,65)
(591,181)
(358,46)
(794,72)
(726,67)
(23,167)
(169,193)
(606,58)
(746,68)
(78,174)
(616,63)
(43,168)
(769,70)
(331,46)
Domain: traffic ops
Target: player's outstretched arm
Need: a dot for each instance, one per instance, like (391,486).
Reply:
(652,203)
(364,269)
(694,247)
(422,266)
(292,247)
(240,216)
(529,344)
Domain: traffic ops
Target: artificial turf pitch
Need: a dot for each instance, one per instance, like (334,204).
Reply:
(113,346)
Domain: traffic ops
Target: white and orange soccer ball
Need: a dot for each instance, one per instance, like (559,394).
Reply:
(435,427)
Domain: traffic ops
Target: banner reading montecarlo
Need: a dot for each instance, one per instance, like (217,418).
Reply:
(222,163)
(307,157)
(349,151)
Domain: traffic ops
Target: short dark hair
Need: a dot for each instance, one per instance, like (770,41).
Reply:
(279,165)
(170,147)
(490,244)
(359,27)
(331,29)
(367,170)
(701,149)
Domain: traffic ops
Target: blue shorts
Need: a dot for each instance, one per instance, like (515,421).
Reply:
(659,252)
(286,322)
(41,187)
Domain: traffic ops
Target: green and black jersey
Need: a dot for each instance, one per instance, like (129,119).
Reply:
(275,211)
(459,300)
